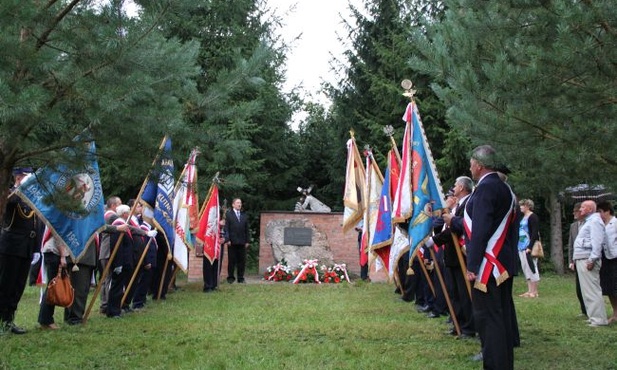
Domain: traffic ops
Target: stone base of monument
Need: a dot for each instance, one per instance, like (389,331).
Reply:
(297,236)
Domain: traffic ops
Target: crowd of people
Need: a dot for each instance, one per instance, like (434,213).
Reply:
(463,271)
(477,267)
(138,268)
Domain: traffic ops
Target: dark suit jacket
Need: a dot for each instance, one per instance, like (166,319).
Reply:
(21,230)
(236,231)
(487,206)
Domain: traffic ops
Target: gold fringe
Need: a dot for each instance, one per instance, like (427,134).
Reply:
(503,277)
(481,287)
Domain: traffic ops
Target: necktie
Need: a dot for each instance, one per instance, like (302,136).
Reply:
(238,215)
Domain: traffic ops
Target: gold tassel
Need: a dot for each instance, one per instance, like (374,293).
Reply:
(75,268)
(410,271)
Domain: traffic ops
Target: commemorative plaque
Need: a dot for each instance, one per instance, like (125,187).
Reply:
(299,236)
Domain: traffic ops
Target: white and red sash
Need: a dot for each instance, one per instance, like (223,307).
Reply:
(490,264)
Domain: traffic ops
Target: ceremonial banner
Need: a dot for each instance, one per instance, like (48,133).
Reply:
(382,236)
(78,189)
(401,207)
(354,187)
(374,191)
(427,194)
(208,232)
(400,245)
(158,194)
(374,184)
(186,218)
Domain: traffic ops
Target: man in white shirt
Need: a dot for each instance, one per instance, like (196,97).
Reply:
(587,258)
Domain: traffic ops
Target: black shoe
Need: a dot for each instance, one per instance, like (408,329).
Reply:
(231,280)
(397,291)
(127,310)
(241,281)
(432,315)
(15,329)
(424,309)
(208,290)
(466,336)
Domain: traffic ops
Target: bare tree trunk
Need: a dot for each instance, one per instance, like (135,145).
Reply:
(556,247)
(5,184)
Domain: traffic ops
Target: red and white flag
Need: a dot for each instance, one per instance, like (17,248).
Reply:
(374,183)
(185,212)
(208,232)
(402,207)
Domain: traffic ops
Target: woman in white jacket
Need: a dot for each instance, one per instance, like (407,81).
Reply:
(608,271)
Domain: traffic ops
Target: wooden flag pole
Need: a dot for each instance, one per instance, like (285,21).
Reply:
(116,247)
(428,279)
(461,261)
(445,293)
(135,272)
(162,282)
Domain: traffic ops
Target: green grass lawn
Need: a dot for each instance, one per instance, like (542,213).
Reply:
(285,326)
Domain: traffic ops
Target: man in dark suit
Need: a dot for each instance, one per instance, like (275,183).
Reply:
(19,238)
(237,237)
(461,301)
(491,243)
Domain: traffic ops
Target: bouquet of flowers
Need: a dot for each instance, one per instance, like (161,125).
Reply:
(334,274)
(307,272)
(278,272)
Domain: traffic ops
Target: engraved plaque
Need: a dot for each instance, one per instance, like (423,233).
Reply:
(299,236)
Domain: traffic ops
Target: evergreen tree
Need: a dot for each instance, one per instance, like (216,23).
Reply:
(68,66)
(241,114)
(537,80)
(369,97)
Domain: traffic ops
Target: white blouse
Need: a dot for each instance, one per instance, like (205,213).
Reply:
(610,248)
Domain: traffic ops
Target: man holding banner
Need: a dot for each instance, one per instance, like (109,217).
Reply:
(491,242)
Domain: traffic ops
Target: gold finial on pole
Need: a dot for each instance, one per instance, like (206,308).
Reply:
(407,86)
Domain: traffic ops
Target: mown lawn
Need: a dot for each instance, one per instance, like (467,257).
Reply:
(284,326)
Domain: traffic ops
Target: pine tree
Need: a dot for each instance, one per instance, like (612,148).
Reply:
(68,66)
(241,114)
(537,80)
(368,95)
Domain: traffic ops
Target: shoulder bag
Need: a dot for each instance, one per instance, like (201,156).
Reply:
(537,251)
(60,292)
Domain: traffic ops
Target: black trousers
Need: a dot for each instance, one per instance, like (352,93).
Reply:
(142,286)
(80,280)
(237,260)
(461,301)
(493,317)
(210,272)
(14,272)
(46,311)
(116,291)
(579,295)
